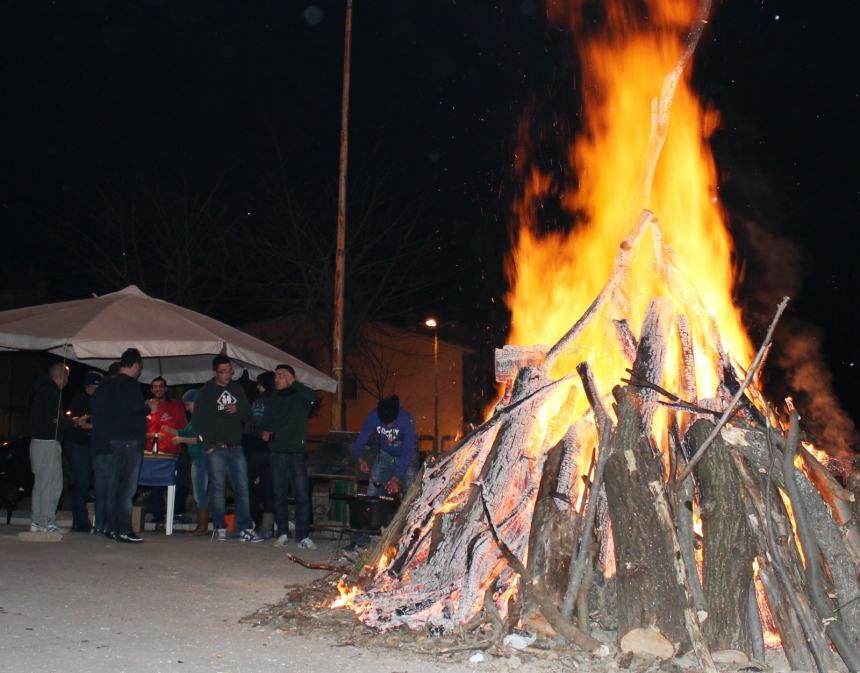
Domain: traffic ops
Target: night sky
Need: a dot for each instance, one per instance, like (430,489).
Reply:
(234,93)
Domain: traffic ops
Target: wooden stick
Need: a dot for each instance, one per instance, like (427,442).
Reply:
(804,619)
(729,409)
(577,571)
(319,566)
(619,270)
(691,619)
(754,620)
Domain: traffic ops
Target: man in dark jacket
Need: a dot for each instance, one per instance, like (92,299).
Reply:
(79,452)
(47,424)
(104,463)
(127,413)
(284,421)
(220,410)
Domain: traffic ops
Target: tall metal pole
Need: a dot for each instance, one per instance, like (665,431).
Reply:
(436,391)
(337,416)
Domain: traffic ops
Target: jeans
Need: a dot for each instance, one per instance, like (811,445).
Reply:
(46,461)
(380,472)
(221,461)
(104,465)
(128,454)
(290,474)
(200,482)
(262,496)
(81,461)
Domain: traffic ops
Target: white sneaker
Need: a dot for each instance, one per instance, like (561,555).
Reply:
(307,543)
(280,541)
(36,528)
(219,535)
(54,528)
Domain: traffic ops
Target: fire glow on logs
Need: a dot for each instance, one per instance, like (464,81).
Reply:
(574,475)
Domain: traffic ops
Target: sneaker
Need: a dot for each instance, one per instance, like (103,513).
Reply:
(281,541)
(249,536)
(82,528)
(36,528)
(219,535)
(53,528)
(307,543)
(129,538)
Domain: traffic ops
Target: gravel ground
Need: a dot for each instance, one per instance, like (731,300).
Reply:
(172,604)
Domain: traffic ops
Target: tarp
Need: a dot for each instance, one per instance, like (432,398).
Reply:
(175,342)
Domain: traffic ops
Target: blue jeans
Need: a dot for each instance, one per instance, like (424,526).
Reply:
(220,462)
(380,472)
(104,465)
(200,482)
(290,475)
(128,454)
(81,462)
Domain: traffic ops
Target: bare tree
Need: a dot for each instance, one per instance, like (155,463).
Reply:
(389,258)
(168,238)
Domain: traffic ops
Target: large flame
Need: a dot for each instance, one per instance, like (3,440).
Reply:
(554,277)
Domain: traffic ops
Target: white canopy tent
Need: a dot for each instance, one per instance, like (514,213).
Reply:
(175,342)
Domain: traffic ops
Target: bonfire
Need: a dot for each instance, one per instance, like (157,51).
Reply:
(632,446)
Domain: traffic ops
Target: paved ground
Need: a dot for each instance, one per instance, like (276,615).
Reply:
(172,604)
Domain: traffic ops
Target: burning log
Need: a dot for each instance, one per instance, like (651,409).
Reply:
(728,547)
(648,592)
(553,530)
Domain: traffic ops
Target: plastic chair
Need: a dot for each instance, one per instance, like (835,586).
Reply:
(161,471)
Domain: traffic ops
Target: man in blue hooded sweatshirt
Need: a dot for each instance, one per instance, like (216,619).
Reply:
(397,461)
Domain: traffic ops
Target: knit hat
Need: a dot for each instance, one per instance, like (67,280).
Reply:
(388,408)
(189,396)
(93,378)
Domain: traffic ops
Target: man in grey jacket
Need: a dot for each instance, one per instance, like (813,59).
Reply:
(47,424)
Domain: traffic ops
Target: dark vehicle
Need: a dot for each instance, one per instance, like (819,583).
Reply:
(16,478)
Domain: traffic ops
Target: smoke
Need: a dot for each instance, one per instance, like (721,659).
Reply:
(828,424)
(772,270)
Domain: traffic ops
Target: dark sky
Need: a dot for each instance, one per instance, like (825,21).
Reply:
(94,89)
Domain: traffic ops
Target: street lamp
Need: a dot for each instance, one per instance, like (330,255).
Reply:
(434,325)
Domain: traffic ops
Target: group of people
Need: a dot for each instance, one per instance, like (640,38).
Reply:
(111,425)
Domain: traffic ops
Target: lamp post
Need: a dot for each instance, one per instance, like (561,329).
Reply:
(433,324)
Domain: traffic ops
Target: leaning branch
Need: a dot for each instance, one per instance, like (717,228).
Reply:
(730,409)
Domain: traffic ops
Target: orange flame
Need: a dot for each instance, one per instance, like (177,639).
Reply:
(347,596)
(555,276)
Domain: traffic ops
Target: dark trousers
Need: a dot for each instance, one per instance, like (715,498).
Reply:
(129,456)
(158,494)
(261,495)
(104,465)
(81,461)
(290,475)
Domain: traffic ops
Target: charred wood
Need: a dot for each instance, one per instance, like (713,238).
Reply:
(843,636)
(552,537)
(804,644)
